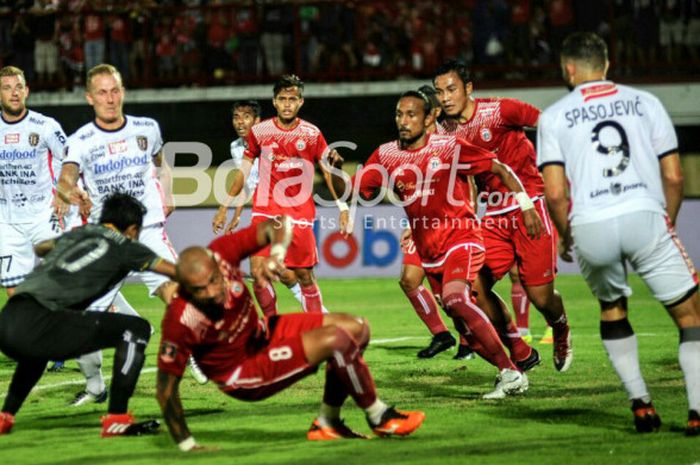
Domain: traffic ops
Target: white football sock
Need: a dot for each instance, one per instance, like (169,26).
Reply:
(624,358)
(91,367)
(689,358)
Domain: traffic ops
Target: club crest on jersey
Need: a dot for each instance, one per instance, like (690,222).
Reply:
(301,145)
(434,163)
(12,138)
(142,142)
(33,139)
(237,288)
(167,352)
(485,134)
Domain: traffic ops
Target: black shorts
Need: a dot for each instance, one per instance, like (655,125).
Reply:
(30,330)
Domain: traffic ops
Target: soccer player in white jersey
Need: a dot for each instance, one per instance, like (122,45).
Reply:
(120,153)
(617,149)
(246,113)
(31,147)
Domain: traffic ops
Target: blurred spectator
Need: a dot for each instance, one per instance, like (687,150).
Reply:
(335,32)
(120,43)
(645,16)
(71,51)
(518,42)
(139,19)
(93,33)
(165,54)
(246,27)
(691,14)
(560,15)
(219,31)
(44,29)
(277,28)
(23,46)
(623,36)
(492,19)
(5,30)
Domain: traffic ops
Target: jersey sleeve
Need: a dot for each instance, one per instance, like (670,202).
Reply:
(473,159)
(137,257)
(157,139)
(174,349)
(237,155)
(548,149)
(253,149)
(56,142)
(518,113)
(369,178)
(235,247)
(321,147)
(663,134)
(73,153)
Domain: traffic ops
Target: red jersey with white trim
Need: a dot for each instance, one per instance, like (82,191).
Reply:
(432,184)
(497,125)
(218,346)
(288,159)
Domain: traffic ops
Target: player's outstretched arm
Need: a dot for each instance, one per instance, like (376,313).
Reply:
(164,267)
(173,413)
(165,177)
(239,178)
(556,193)
(532,220)
(672,179)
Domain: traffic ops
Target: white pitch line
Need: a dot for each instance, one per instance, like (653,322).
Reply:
(43,387)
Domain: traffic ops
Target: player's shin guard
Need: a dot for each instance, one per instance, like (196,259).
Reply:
(519,349)
(689,358)
(267,299)
(91,367)
(620,342)
(481,329)
(128,361)
(311,298)
(521,306)
(351,369)
(427,310)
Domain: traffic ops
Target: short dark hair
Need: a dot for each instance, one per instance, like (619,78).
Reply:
(458,66)
(587,47)
(287,81)
(252,104)
(122,210)
(427,105)
(431,93)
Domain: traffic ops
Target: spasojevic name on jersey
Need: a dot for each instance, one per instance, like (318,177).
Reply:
(602,111)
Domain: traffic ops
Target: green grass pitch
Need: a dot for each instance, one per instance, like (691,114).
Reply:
(578,417)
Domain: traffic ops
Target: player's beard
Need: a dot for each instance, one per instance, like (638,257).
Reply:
(14,113)
(408,141)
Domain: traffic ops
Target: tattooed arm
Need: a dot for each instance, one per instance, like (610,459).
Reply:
(173,413)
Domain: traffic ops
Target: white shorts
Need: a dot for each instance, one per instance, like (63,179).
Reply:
(648,243)
(17,242)
(155,238)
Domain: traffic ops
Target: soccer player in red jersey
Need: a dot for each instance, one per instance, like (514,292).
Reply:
(213,317)
(496,124)
(287,148)
(428,173)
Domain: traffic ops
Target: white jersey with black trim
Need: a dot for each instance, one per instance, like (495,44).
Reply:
(120,160)
(609,138)
(251,182)
(30,161)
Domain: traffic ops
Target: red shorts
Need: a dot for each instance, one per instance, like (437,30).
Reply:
(410,254)
(507,243)
(302,252)
(462,263)
(278,363)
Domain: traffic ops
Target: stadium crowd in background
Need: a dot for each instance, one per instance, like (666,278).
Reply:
(198,41)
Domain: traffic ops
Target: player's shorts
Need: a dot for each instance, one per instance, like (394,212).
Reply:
(155,238)
(507,243)
(277,364)
(302,252)
(461,263)
(410,254)
(17,242)
(648,242)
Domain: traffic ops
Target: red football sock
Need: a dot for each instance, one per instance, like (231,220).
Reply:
(481,329)
(521,305)
(427,310)
(519,349)
(267,299)
(350,368)
(311,298)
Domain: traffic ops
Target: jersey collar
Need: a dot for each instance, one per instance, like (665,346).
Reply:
(110,130)
(15,122)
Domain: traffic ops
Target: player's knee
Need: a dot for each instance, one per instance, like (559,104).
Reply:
(141,329)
